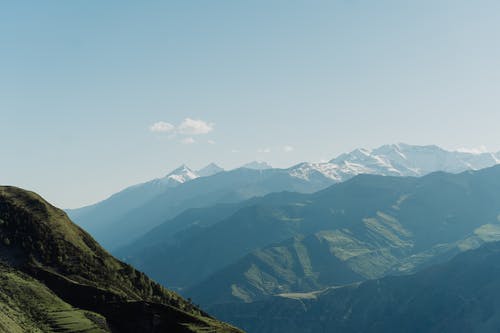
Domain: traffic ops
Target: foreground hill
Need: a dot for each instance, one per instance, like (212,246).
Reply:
(55,277)
(462,295)
(364,228)
(132,212)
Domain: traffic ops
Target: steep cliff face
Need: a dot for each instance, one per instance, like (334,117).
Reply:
(41,245)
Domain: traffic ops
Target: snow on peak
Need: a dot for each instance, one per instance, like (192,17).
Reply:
(332,171)
(395,160)
(476,151)
(181,175)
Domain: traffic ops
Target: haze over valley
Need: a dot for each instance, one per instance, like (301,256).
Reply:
(249,166)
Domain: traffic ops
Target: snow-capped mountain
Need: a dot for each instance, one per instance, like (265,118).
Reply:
(182,174)
(178,176)
(395,160)
(387,160)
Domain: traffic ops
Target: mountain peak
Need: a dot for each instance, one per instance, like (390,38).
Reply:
(180,169)
(257,165)
(182,174)
(209,170)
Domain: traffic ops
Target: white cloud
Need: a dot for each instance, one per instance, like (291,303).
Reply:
(234,151)
(188,141)
(195,127)
(185,130)
(264,150)
(477,150)
(162,127)
(288,149)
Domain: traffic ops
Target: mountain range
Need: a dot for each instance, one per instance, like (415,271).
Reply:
(397,160)
(121,219)
(364,228)
(131,213)
(396,238)
(55,278)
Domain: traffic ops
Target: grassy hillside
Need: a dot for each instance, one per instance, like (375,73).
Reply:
(461,295)
(26,305)
(325,259)
(41,241)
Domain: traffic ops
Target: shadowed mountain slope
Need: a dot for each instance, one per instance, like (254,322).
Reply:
(462,295)
(43,251)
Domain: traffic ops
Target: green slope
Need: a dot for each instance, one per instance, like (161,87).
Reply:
(39,240)
(301,264)
(209,239)
(462,295)
(26,305)
(328,258)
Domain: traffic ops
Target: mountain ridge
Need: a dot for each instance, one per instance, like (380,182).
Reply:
(133,212)
(39,240)
(460,295)
(351,157)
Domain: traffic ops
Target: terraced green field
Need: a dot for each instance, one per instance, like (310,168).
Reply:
(26,305)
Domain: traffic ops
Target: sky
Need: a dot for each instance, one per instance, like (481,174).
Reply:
(99,95)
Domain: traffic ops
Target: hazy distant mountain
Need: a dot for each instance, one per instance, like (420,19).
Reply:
(209,170)
(257,165)
(460,296)
(115,225)
(99,216)
(129,198)
(131,213)
(55,278)
(363,228)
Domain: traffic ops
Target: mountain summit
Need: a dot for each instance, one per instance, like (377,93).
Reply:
(257,165)
(180,175)
(209,170)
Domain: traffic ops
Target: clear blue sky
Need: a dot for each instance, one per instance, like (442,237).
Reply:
(83,81)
